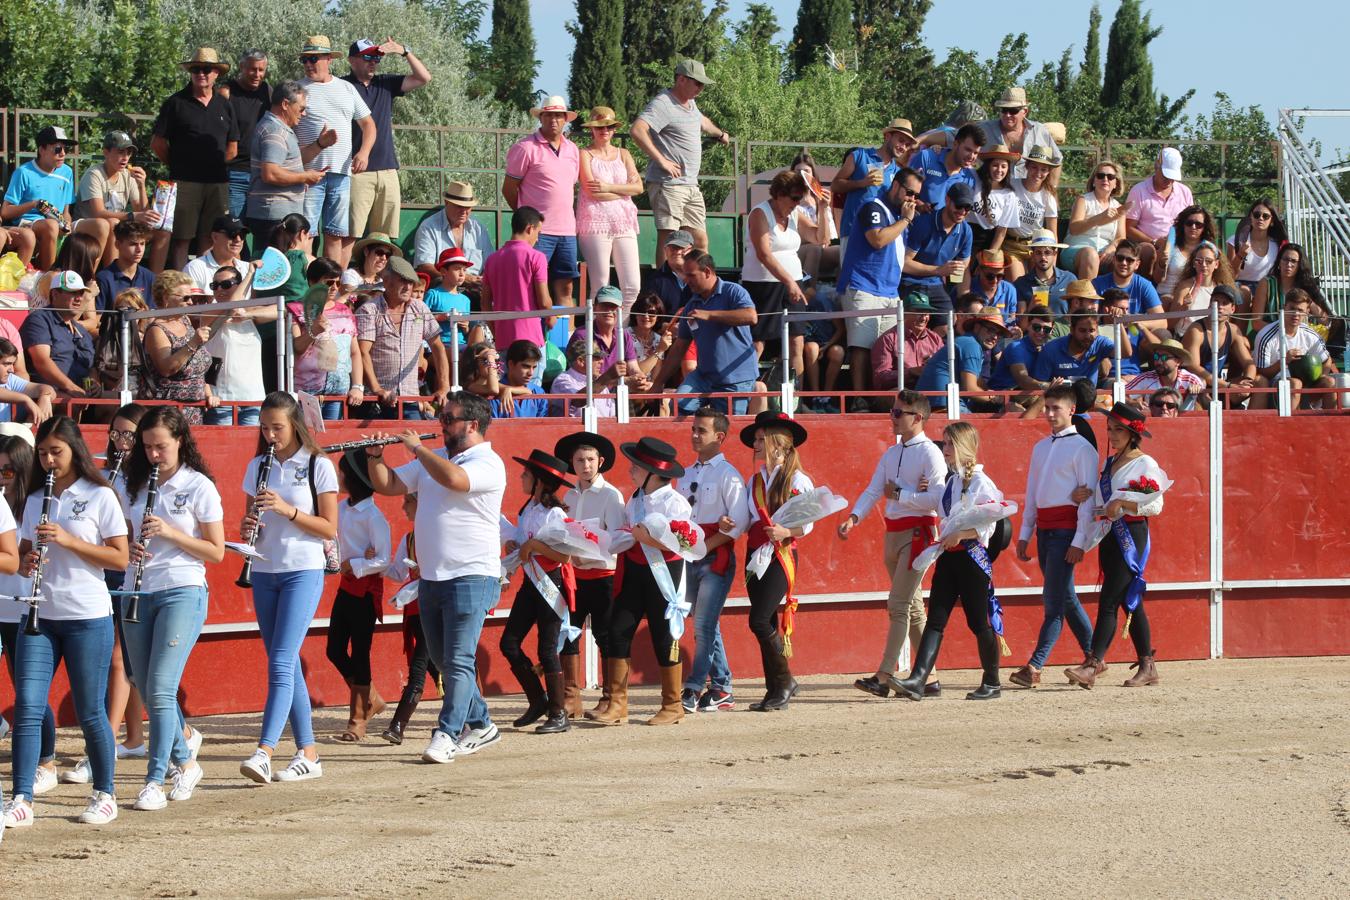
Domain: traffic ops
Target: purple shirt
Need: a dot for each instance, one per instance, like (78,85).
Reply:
(1155,215)
(511,274)
(610,348)
(548,178)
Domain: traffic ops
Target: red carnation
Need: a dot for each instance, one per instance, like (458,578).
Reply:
(1143,485)
(684,533)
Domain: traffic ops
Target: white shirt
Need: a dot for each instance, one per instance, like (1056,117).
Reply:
(336,104)
(1033,209)
(1142,465)
(533,518)
(715,489)
(598,507)
(363,526)
(902,465)
(202,270)
(997,210)
(1060,464)
(800,484)
(664,500)
(398,570)
(11,585)
(981,490)
(1266,347)
(186,501)
(72,587)
(285,546)
(457,531)
(238,346)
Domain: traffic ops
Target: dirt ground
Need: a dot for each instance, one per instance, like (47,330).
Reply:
(1230,779)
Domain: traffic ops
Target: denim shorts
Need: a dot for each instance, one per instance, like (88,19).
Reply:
(329,203)
(561,252)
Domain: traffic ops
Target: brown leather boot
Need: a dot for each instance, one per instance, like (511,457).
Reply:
(571,670)
(616,677)
(1085,675)
(356,730)
(672,711)
(376,704)
(1147,674)
(603,703)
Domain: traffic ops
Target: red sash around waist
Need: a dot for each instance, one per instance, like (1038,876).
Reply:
(925,532)
(371,586)
(1057,517)
(592,574)
(721,556)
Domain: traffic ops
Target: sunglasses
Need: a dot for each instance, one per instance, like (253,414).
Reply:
(897,413)
(201,70)
(233,235)
(908,193)
(1162,404)
(961,207)
(1194,223)
(381,251)
(1104,176)
(226,284)
(1010,112)
(1161,357)
(311,60)
(372,57)
(1261,217)
(8,472)
(994,274)
(1126,259)
(1042,329)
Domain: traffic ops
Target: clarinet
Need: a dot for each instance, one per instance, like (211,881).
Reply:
(48,494)
(371,442)
(245,579)
(115,471)
(132,612)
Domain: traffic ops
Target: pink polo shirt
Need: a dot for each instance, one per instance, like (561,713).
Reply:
(548,180)
(1155,215)
(511,274)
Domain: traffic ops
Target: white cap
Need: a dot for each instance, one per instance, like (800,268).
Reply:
(351,279)
(67,281)
(1169,163)
(16,429)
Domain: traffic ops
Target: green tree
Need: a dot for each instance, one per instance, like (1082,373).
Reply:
(511,63)
(654,38)
(759,27)
(895,66)
(1129,104)
(965,76)
(597,60)
(1227,178)
(821,24)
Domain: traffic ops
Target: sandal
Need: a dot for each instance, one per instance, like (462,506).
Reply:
(349,737)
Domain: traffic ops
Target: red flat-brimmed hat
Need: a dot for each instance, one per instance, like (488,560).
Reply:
(545,464)
(654,455)
(769,419)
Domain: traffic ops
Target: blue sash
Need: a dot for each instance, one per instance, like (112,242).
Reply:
(977,552)
(1134,560)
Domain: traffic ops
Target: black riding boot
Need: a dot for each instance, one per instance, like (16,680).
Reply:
(407,705)
(534,693)
(924,660)
(989,688)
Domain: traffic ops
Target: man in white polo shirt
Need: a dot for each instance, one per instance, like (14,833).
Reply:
(459,490)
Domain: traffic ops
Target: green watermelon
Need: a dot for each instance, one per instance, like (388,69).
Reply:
(1306,369)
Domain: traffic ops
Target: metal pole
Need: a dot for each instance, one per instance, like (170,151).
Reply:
(785,390)
(454,352)
(124,352)
(283,341)
(588,416)
(621,390)
(953,388)
(1118,386)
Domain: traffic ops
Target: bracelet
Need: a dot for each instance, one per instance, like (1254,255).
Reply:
(295,512)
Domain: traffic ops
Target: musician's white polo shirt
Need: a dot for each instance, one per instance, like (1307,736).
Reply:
(185,502)
(71,587)
(285,546)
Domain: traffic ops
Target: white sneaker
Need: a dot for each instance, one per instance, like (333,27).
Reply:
(83,773)
(44,779)
(442,748)
(185,781)
(195,742)
(101,810)
(125,752)
(300,769)
(257,767)
(4,728)
(471,740)
(18,812)
(151,798)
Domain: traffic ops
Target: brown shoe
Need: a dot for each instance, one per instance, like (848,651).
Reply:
(672,710)
(1027,676)
(1085,676)
(571,670)
(616,677)
(1147,674)
(603,703)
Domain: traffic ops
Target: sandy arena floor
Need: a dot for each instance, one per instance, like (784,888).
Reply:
(1231,779)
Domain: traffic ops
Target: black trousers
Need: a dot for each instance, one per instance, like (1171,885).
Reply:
(352,624)
(957,577)
(1116,578)
(529,610)
(766,595)
(639,597)
(419,659)
(595,598)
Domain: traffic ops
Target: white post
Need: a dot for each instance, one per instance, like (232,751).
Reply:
(621,389)
(785,390)
(953,387)
(1286,399)
(124,352)
(1118,386)
(283,341)
(588,415)
(1215,494)
(454,352)
(900,343)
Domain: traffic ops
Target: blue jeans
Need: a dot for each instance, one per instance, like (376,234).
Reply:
(331,409)
(1059,596)
(159,644)
(285,603)
(561,252)
(239,179)
(328,205)
(86,645)
(9,636)
(707,592)
(697,383)
(452,620)
(224,415)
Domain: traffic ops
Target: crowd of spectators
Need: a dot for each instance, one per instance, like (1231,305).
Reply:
(962,220)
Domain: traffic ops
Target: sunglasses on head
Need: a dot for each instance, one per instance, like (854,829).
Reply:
(226,285)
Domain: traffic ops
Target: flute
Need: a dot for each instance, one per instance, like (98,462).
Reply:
(132,612)
(245,578)
(371,442)
(40,545)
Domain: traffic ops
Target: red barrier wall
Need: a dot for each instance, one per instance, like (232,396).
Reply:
(1279,525)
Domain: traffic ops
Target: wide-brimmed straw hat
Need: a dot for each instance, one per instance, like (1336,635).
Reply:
(567,446)
(460,193)
(553,104)
(1012,98)
(206,56)
(653,455)
(904,126)
(376,237)
(768,419)
(1174,349)
(991,317)
(318,45)
(1044,237)
(601,117)
(1000,151)
(1043,155)
(1082,289)
(546,464)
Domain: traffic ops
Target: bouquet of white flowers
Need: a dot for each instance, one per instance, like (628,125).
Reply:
(797,511)
(965,518)
(677,536)
(569,536)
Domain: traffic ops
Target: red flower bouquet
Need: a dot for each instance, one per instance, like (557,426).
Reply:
(684,533)
(1143,485)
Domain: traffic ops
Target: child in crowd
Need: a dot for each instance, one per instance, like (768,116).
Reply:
(324,362)
(403,568)
(514,398)
(18,393)
(446,296)
(824,339)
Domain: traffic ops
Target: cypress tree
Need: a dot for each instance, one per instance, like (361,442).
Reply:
(1129,105)
(511,61)
(820,23)
(597,77)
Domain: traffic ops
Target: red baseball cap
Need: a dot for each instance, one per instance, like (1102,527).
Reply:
(452,256)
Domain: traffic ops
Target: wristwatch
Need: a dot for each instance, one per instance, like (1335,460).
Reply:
(406,50)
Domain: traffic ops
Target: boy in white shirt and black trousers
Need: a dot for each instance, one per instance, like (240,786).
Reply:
(1060,463)
(598,505)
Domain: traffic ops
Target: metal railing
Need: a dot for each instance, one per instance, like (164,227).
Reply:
(1315,212)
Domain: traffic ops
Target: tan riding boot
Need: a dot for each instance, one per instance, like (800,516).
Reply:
(672,711)
(1147,674)
(571,670)
(603,703)
(616,676)
(1085,675)
(376,704)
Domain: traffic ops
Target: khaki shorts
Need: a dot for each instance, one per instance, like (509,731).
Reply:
(200,203)
(375,200)
(864,330)
(677,206)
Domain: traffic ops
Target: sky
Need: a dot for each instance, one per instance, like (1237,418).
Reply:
(1204,45)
